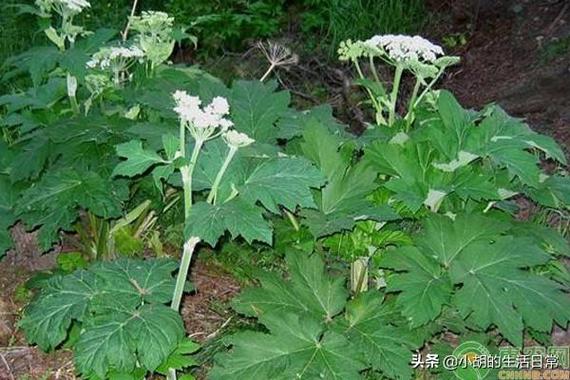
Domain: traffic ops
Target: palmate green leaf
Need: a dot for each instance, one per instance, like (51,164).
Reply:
(31,158)
(121,308)
(309,320)
(138,159)
(297,348)
(553,192)
(210,222)
(181,358)
(425,287)
(53,202)
(256,107)
(322,147)
(8,196)
(124,337)
(140,281)
(386,347)
(270,180)
(285,181)
(343,199)
(506,140)
(417,177)
(309,290)
(48,318)
(508,295)
(477,254)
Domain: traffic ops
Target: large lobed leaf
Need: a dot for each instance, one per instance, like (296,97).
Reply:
(479,256)
(125,324)
(210,222)
(343,200)
(53,203)
(309,336)
(256,107)
(297,348)
(309,290)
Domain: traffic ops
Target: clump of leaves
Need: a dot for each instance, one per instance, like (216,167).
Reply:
(314,331)
(480,257)
(124,325)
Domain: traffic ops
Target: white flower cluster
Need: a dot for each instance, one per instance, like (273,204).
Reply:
(204,122)
(63,6)
(401,48)
(109,57)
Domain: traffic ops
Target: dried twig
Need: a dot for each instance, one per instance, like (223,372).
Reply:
(212,335)
(133,10)
(10,373)
(557,19)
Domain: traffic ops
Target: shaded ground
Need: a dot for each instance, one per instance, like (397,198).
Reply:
(205,312)
(518,55)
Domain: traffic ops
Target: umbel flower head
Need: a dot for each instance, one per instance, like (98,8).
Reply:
(115,59)
(277,54)
(202,122)
(62,7)
(154,35)
(401,48)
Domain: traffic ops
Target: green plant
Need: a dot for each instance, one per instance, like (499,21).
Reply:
(227,24)
(337,20)
(314,331)
(554,49)
(415,55)
(455,40)
(125,328)
(456,260)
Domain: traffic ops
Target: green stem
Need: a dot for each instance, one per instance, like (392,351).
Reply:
(293,220)
(187,171)
(214,190)
(189,247)
(410,114)
(370,94)
(373,69)
(359,275)
(74,105)
(427,89)
(394,94)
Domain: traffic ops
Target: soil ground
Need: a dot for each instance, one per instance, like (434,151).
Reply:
(516,53)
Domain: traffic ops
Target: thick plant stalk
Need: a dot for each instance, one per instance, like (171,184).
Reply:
(187,172)
(189,248)
(410,115)
(359,275)
(394,95)
(214,190)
